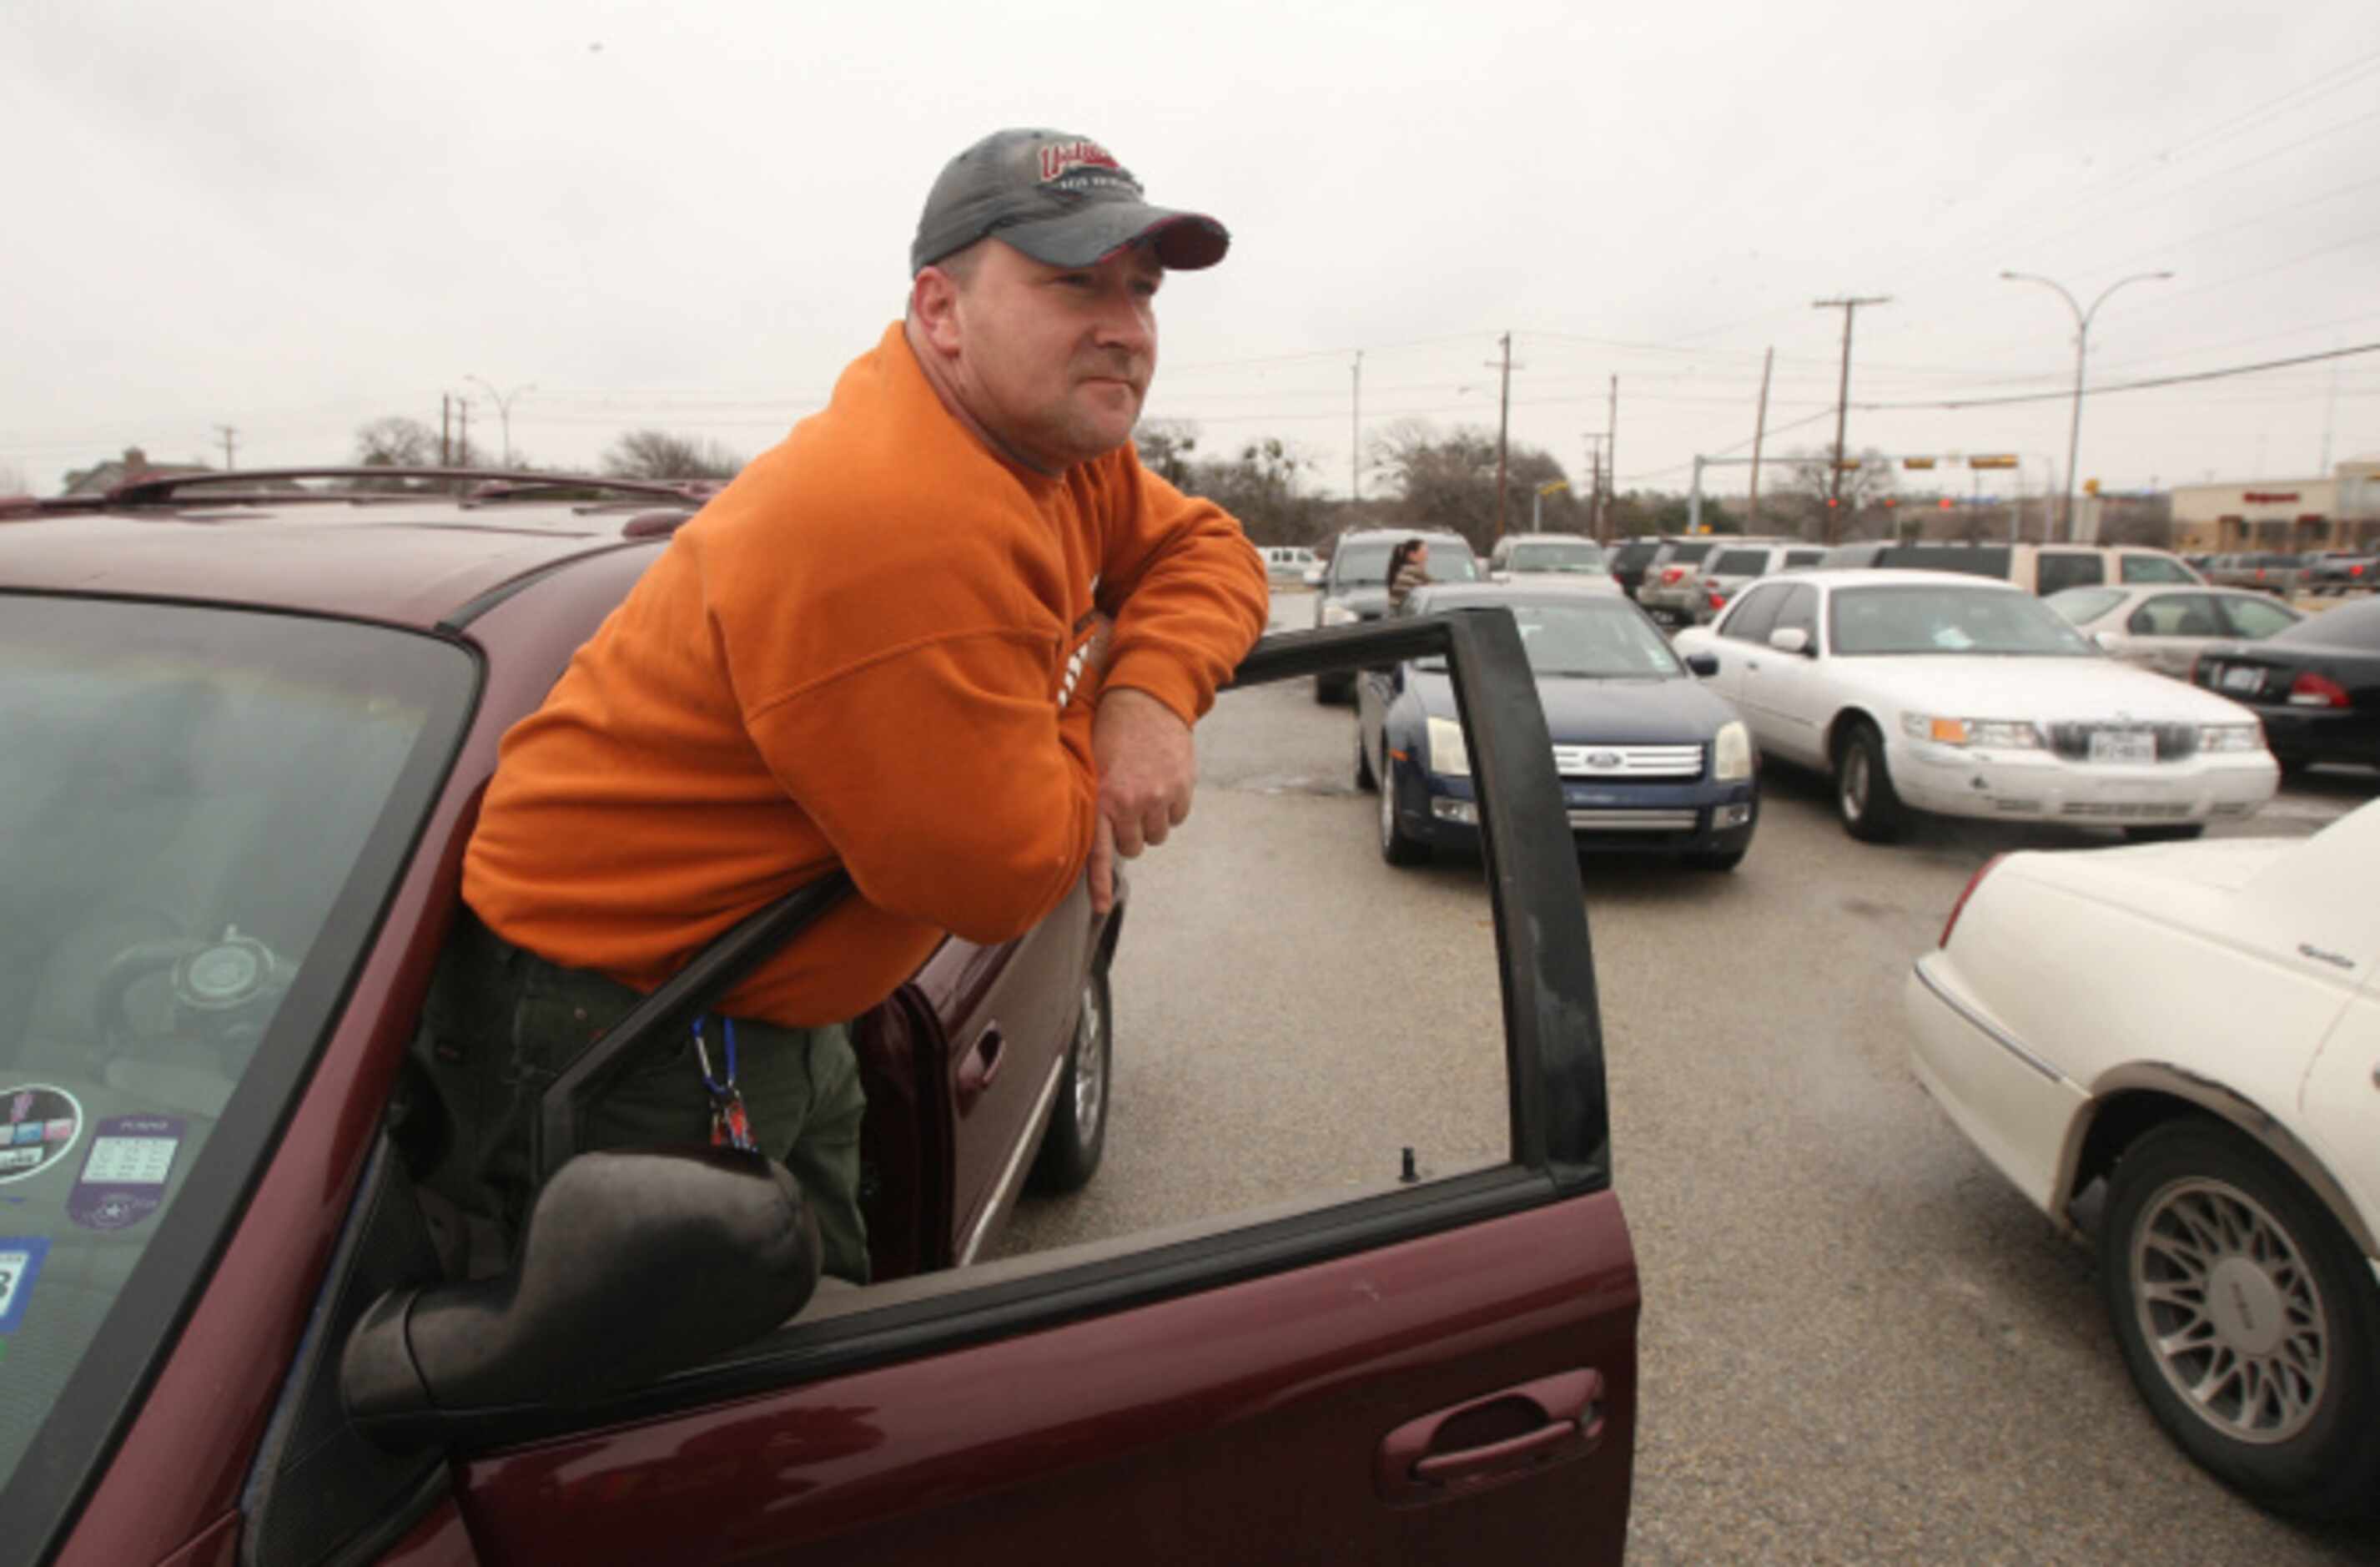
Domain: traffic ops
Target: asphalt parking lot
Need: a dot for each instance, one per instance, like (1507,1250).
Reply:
(1858,1342)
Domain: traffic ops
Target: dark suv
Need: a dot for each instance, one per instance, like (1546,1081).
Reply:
(1355,584)
(247,735)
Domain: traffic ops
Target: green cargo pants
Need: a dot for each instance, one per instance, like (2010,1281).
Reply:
(502,1024)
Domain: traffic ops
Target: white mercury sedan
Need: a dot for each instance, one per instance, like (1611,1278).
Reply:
(1937,691)
(2197,1025)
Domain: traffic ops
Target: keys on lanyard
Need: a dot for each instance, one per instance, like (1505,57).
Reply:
(729,1126)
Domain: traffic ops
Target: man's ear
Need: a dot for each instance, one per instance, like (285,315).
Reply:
(934,306)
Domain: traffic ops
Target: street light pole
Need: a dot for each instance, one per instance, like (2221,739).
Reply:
(504,401)
(2081,343)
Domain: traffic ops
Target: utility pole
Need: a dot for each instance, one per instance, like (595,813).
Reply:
(1849,307)
(1594,493)
(1759,428)
(1611,433)
(463,432)
(1355,436)
(1503,429)
(445,431)
(231,446)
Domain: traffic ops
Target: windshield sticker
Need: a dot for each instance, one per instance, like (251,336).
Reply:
(123,1178)
(41,1130)
(21,1264)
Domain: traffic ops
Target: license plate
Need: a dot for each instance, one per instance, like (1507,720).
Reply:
(2123,746)
(2243,678)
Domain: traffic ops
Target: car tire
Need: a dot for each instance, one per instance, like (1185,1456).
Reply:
(1397,847)
(1077,1133)
(1865,797)
(1364,779)
(2194,1200)
(2177,832)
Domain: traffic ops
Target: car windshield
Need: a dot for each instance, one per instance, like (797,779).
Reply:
(1367,565)
(201,812)
(1922,618)
(2082,605)
(2153,568)
(1601,639)
(1579,559)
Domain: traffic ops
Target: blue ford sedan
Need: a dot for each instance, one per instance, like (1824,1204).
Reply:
(1651,762)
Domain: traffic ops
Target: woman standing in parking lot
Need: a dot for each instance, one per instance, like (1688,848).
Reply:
(1408,569)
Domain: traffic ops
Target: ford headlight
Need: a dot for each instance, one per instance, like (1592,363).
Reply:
(2217,739)
(1448,755)
(1336,613)
(1731,753)
(1998,733)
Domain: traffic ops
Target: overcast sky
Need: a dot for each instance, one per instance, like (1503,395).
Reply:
(293,219)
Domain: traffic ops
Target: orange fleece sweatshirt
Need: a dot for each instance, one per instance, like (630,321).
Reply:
(870,649)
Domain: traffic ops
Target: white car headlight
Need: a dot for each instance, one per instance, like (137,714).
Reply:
(2002,734)
(1448,755)
(1731,753)
(2221,738)
(1336,613)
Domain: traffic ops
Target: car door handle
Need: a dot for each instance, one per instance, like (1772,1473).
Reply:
(1412,1465)
(981,1065)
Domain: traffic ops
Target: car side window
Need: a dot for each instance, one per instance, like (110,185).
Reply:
(2257,618)
(2176,614)
(1755,615)
(1799,611)
(2055,570)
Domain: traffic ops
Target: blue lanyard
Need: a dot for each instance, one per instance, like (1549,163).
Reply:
(729,1126)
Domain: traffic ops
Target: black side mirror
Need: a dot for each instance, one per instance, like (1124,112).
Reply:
(1702,665)
(632,1266)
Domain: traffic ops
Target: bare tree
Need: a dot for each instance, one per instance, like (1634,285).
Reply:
(397,442)
(1449,480)
(1867,483)
(1165,447)
(656,453)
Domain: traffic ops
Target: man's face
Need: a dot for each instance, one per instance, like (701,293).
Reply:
(1055,362)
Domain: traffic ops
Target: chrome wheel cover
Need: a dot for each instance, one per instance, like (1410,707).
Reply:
(2230,1310)
(1090,1064)
(1855,781)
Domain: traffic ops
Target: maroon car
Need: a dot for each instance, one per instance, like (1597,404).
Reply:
(245,736)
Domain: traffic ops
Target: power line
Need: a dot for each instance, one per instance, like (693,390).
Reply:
(2129,385)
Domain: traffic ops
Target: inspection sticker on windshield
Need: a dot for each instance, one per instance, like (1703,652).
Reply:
(41,1130)
(21,1264)
(123,1178)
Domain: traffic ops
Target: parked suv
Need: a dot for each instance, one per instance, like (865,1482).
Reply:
(1355,584)
(1729,569)
(2042,569)
(1631,556)
(2343,571)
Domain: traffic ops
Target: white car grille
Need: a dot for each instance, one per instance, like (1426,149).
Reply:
(1629,762)
(2126,810)
(2175,742)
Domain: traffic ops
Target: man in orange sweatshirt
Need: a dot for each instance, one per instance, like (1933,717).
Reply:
(949,635)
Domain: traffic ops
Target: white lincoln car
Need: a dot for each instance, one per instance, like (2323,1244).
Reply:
(1934,691)
(2197,1025)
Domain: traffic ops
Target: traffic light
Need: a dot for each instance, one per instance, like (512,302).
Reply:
(1831,503)
(2090,487)
(1945,502)
(1890,502)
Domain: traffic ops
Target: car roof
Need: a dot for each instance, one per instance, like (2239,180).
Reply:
(1546,538)
(415,560)
(1365,535)
(1886,576)
(1455,595)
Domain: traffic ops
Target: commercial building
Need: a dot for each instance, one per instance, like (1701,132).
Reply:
(2341,512)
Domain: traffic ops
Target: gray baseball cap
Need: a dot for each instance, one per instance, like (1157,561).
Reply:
(1061,200)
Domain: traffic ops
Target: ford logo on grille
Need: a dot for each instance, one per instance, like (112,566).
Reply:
(1603,761)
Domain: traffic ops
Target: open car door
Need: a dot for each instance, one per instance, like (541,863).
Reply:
(1436,1370)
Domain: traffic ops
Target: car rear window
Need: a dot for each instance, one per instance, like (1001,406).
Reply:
(1738,563)
(201,812)
(1687,553)
(2351,626)
(1366,564)
(1984,561)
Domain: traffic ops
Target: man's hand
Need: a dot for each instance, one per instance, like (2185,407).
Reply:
(1148,767)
